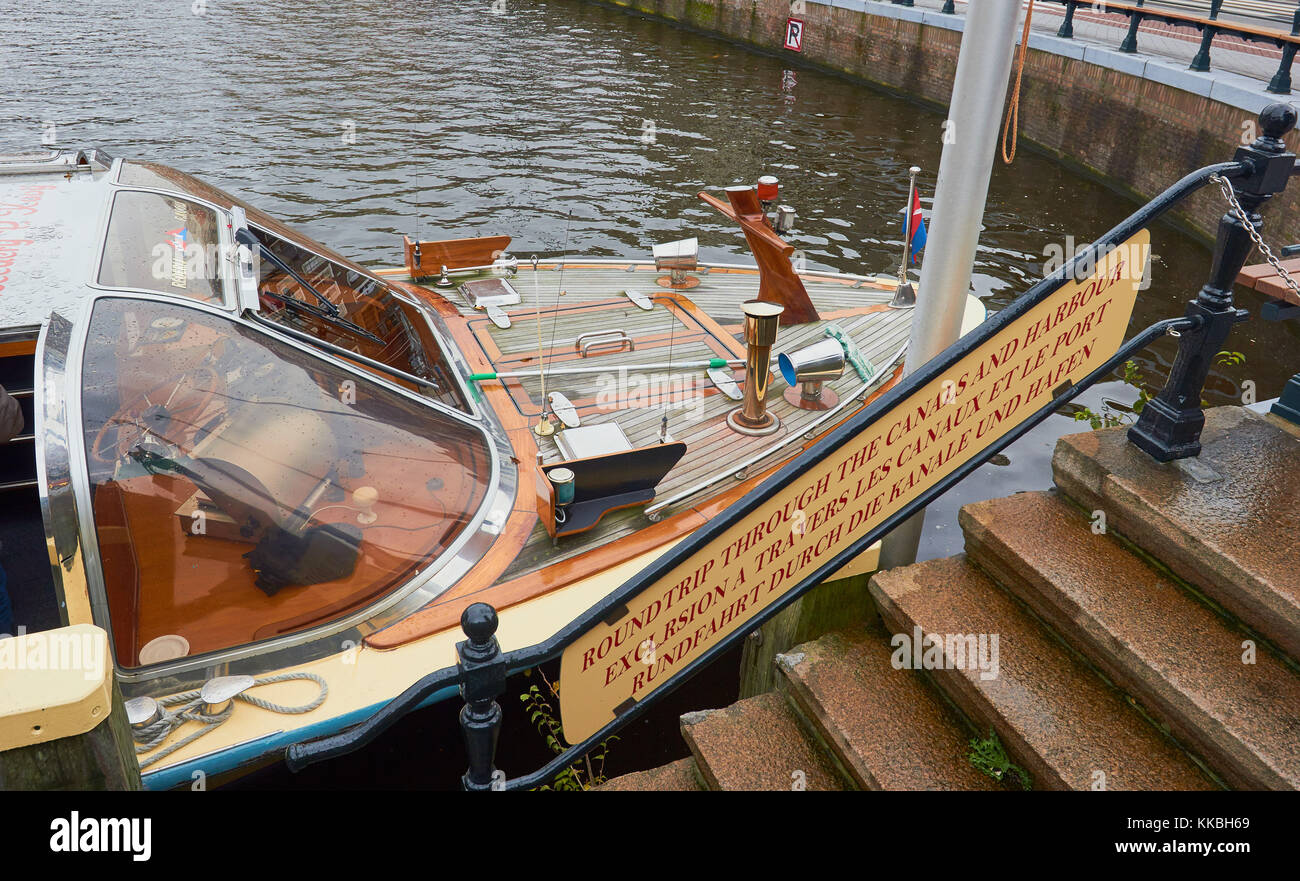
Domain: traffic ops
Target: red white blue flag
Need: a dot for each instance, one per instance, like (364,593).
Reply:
(914,226)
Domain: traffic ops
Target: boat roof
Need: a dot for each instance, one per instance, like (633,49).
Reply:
(51,209)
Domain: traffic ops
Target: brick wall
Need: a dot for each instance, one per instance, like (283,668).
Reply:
(1135,134)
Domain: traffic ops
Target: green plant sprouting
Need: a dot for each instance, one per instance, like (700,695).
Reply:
(988,757)
(1108,418)
(590,771)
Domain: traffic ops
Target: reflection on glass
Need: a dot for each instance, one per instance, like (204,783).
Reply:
(387,328)
(164,244)
(371,320)
(243,489)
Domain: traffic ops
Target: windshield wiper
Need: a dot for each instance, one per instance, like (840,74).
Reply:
(334,320)
(245,236)
(346,354)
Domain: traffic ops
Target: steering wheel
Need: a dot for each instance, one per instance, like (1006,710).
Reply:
(174,404)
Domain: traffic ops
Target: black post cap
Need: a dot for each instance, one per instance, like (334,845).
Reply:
(479,621)
(1277,119)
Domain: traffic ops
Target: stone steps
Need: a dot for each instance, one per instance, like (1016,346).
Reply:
(1176,656)
(758,744)
(1112,670)
(679,776)
(1054,716)
(886,726)
(1226,522)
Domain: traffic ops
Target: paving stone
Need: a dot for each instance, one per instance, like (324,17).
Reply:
(757,744)
(1229,524)
(678,776)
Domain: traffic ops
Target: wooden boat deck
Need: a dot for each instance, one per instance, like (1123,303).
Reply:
(689,324)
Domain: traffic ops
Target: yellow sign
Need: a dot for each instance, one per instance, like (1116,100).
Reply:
(807,523)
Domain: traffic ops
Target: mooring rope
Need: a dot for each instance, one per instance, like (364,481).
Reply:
(1012,124)
(148,737)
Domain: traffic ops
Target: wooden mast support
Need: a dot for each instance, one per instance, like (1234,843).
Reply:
(777,281)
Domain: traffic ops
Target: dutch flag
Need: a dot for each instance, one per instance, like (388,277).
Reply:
(915,226)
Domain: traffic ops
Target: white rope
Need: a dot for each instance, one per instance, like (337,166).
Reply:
(148,737)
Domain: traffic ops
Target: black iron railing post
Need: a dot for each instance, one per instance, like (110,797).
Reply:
(1067,27)
(483,679)
(1130,43)
(1280,84)
(1201,61)
(1170,425)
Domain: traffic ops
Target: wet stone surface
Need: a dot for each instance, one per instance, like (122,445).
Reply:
(1237,539)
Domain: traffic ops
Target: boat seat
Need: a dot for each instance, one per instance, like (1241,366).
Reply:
(605,483)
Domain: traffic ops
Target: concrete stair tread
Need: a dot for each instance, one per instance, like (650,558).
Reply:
(678,776)
(1225,521)
(757,744)
(1054,716)
(1157,642)
(886,725)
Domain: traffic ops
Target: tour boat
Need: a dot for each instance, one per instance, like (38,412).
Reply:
(275,478)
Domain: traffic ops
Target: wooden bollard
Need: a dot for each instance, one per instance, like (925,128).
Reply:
(62,720)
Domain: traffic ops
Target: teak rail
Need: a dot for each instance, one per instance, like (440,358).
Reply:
(1168,428)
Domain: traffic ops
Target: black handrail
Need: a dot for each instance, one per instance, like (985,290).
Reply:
(1210,27)
(1258,170)
(549,771)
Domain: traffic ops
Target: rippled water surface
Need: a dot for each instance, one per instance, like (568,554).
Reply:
(557,123)
(553,122)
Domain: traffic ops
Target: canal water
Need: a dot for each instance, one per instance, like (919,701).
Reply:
(573,128)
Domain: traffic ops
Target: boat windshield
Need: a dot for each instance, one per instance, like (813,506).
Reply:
(338,304)
(384,326)
(162,243)
(243,488)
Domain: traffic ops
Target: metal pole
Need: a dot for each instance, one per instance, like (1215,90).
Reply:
(907,226)
(975,115)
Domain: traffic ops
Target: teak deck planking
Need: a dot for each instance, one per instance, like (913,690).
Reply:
(706,319)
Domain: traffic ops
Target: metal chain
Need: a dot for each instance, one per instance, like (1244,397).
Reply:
(1264,249)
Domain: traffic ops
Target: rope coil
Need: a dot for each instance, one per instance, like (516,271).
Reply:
(148,737)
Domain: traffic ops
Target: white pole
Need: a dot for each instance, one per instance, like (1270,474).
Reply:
(970,145)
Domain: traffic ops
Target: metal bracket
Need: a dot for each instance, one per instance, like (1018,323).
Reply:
(564,410)
(1279,310)
(499,317)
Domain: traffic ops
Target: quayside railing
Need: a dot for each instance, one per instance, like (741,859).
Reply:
(1210,26)
(1168,428)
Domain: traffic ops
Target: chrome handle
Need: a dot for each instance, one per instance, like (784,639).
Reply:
(598,338)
